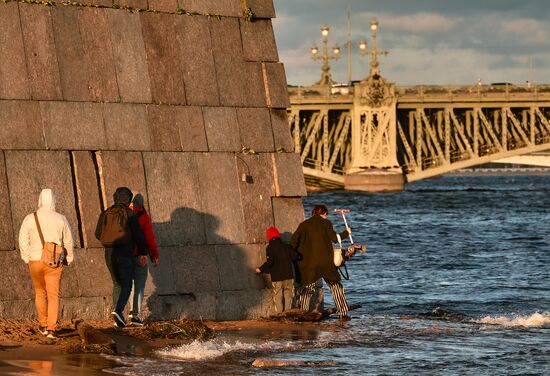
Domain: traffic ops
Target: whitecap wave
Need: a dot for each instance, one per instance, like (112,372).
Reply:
(533,321)
(198,350)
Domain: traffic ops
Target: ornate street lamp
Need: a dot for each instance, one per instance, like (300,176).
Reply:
(325,57)
(374,52)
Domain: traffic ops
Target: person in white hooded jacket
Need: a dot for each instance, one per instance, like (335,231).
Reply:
(55,229)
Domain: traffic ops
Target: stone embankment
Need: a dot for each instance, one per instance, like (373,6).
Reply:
(182,101)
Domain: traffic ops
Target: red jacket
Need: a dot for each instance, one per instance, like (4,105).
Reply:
(147,228)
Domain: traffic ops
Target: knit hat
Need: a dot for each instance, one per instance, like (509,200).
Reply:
(272,232)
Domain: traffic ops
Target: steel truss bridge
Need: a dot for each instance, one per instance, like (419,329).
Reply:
(417,132)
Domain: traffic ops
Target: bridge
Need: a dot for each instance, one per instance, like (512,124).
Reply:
(374,135)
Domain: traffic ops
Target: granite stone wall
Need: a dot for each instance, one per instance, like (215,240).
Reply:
(183,101)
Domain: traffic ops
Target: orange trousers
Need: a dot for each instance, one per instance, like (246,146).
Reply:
(46,292)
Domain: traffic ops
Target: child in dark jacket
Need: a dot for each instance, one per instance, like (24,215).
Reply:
(279,266)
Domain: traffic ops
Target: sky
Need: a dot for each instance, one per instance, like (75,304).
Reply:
(430,42)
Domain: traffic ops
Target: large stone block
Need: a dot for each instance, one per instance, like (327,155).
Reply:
(254,257)
(163,58)
(169,307)
(73,125)
(164,130)
(162,280)
(164,5)
(103,3)
(121,169)
(230,8)
(234,270)
(222,129)
(18,308)
(220,198)
(288,213)
(130,57)
(31,171)
(176,209)
(289,175)
(41,58)
(226,38)
(20,125)
(247,304)
(190,122)
(195,269)
(87,189)
(255,128)
(275,85)
(239,82)
(14,83)
(256,195)
(98,51)
(134,4)
(93,276)
(258,41)
(6,225)
(202,307)
(15,279)
(69,283)
(73,65)
(93,308)
(193,36)
(262,8)
(281,130)
(126,127)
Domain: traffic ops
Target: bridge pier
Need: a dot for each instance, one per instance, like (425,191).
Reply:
(375,180)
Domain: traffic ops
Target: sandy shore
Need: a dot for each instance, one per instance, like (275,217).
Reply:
(23,350)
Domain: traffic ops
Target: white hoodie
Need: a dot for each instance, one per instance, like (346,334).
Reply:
(55,229)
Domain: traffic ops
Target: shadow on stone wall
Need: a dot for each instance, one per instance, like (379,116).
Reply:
(209,281)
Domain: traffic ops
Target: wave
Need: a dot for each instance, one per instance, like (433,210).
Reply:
(198,350)
(467,189)
(536,320)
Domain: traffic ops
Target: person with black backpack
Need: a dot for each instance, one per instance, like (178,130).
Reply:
(119,231)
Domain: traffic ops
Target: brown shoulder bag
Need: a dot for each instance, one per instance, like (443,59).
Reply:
(51,252)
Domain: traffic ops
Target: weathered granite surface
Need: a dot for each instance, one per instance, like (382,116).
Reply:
(14,80)
(38,37)
(186,107)
(28,172)
(6,225)
(21,125)
(130,58)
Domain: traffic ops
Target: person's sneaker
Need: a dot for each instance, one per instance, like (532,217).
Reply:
(136,321)
(119,321)
(43,330)
(51,334)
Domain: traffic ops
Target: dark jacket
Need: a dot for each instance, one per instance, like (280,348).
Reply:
(313,239)
(121,197)
(279,260)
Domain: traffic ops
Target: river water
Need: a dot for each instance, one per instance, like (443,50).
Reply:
(477,247)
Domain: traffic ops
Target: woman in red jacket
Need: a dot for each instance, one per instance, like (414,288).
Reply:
(140,264)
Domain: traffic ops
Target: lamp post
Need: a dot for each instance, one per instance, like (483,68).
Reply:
(325,57)
(374,52)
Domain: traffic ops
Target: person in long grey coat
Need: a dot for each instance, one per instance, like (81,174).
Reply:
(313,239)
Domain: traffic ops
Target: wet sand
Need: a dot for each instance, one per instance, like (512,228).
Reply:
(23,350)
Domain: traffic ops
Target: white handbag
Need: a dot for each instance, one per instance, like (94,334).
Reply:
(338,257)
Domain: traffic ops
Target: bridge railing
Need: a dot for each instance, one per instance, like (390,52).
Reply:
(504,91)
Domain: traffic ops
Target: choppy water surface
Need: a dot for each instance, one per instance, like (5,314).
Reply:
(477,247)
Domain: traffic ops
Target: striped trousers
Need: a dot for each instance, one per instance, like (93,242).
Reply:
(337,292)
